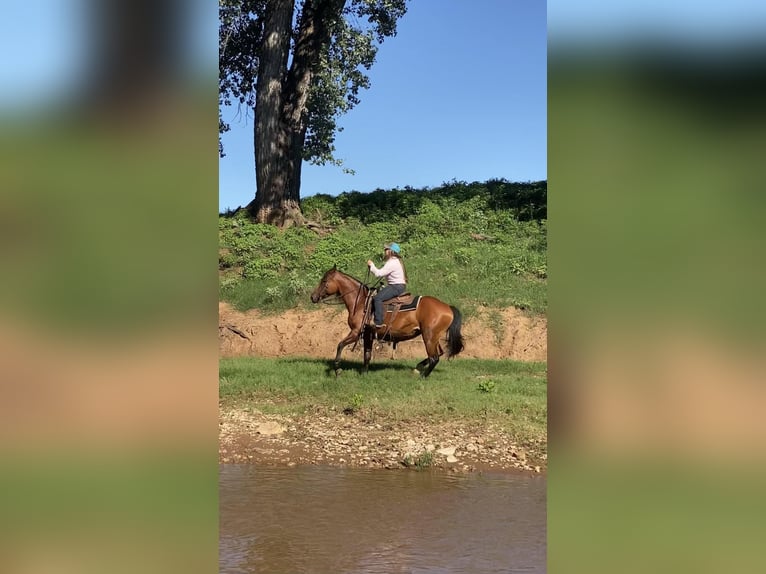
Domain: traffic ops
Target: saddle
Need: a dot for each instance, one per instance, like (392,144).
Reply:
(403,302)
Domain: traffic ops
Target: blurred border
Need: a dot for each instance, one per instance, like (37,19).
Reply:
(656,320)
(108,242)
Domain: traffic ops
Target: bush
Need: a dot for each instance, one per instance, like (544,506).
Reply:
(466,244)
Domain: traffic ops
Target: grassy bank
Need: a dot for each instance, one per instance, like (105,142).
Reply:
(471,245)
(508,394)
(467,244)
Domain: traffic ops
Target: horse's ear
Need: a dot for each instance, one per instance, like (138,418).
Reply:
(335,267)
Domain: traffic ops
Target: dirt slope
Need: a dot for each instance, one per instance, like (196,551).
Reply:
(492,334)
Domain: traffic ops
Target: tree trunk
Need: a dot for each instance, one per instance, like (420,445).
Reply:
(280,106)
(271,139)
(278,172)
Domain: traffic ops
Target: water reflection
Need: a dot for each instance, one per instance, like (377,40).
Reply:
(329,520)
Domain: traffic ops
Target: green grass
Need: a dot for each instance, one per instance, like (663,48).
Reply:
(456,390)
(460,287)
(468,245)
(421,461)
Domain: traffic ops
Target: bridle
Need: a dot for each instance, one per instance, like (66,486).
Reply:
(339,296)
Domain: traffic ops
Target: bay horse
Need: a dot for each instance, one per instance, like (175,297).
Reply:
(431,320)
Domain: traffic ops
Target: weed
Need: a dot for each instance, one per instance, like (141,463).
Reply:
(422,461)
(497,325)
(273,293)
(486,387)
(357,400)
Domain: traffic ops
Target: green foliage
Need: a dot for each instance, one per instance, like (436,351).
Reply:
(356,402)
(322,209)
(343,60)
(486,387)
(457,245)
(422,461)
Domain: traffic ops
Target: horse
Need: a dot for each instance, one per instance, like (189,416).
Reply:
(431,320)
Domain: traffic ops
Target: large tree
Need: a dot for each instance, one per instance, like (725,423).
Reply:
(299,64)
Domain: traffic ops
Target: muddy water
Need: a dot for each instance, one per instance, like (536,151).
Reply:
(330,520)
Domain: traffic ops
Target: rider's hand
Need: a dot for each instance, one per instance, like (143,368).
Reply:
(369,263)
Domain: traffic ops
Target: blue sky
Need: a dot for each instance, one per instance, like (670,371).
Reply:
(459,93)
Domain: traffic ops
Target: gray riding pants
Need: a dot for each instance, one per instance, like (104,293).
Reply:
(388,292)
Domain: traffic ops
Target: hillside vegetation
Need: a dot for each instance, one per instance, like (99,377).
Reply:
(467,244)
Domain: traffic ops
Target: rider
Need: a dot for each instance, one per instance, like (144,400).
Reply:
(396,279)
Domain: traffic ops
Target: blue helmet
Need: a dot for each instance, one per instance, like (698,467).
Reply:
(393,247)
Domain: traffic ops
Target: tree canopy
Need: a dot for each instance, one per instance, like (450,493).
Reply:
(354,30)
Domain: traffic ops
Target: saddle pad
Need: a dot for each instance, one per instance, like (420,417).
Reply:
(409,306)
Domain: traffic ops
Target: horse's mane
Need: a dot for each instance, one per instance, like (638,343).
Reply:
(352,277)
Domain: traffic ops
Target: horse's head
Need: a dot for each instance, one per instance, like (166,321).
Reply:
(327,287)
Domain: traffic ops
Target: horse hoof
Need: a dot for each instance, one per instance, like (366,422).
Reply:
(415,372)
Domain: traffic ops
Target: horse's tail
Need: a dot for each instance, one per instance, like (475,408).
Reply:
(454,337)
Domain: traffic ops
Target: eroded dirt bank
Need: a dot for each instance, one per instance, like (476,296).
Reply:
(493,334)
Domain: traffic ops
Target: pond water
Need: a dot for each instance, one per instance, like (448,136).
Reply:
(336,521)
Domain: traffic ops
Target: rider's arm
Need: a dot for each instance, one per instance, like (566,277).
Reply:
(383,271)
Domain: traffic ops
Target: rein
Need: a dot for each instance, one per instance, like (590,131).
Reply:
(332,300)
(337,299)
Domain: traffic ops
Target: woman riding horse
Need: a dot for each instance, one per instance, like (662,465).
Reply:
(395,276)
(432,319)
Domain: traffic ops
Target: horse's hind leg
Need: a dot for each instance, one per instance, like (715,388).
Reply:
(432,362)
(432,349)
(368,338)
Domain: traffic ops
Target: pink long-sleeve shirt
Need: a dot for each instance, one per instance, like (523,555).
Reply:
(392,270)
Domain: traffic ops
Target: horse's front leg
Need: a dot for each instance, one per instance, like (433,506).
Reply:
(347,340)
(369,336)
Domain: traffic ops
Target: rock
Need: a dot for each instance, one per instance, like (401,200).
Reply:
(451,458)
(270,428)
(537,469)
(447,451)
(470,447)
(430,448)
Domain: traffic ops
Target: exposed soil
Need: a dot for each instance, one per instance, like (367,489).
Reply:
(493,334)
(249,436)
(349,440)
